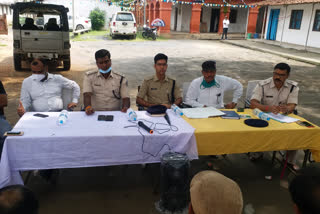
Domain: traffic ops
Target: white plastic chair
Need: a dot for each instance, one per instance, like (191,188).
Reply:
(251,86)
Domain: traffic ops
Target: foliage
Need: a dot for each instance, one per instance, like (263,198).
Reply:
(97,17)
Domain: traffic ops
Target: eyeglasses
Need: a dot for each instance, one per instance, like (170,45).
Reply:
(280,75)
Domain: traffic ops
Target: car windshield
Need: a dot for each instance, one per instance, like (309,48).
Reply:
(124,17)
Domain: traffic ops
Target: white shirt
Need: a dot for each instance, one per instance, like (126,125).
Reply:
(226,23)
(47,96)
(198,96)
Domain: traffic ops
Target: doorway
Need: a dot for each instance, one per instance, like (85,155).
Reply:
(273,24)
(214,23)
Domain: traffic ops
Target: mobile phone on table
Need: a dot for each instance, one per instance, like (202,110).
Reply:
(105,117)
(305,123)
(13,133)
(41,115)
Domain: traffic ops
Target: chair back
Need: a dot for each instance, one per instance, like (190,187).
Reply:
(66,96)
(251,86)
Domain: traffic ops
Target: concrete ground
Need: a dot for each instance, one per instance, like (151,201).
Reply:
(129,189)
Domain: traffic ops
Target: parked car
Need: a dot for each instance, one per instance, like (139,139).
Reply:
(123,24)
(40,31)
(80,23)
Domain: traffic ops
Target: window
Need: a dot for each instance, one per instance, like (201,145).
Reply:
(296,18)
(233,16)
(124,17)
(316,24)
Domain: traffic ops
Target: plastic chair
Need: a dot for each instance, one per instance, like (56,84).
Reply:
(251,86)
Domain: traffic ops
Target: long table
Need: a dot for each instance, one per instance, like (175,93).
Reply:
(216,136)
(85,142)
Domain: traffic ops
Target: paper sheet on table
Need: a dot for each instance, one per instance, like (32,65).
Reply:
(202,112)
(282,118)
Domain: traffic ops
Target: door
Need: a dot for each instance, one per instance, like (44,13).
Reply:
(214,23)
(175,19)
(273,24)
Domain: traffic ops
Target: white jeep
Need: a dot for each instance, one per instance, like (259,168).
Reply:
(46,38)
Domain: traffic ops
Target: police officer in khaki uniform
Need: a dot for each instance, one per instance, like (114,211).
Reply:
(277,95)
(159,89)
(105,90)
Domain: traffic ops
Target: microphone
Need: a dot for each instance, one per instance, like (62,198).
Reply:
(142,125)
(166,116)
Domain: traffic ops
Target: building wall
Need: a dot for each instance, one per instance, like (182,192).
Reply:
(5,9)
(314,36)
(293,36)
(241,22)
(84,7)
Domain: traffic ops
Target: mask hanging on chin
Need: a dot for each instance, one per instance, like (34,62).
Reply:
(38,77)
(105,72)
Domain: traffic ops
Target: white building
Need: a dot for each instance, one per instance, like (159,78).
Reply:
(292,21)
(5,9)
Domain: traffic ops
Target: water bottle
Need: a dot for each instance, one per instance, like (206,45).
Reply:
(63,117)
(263,116)
(176,110)
(131,114)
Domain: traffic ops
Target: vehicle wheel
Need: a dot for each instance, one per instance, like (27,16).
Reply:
(79,27)
(66,64)
(17,62)
(154,37)
(144,35)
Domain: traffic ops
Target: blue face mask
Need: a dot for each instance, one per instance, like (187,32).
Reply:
(105,72)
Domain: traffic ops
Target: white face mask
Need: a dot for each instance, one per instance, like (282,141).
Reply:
(38,77)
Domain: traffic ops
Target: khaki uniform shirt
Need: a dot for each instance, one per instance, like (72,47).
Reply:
(106,93)
(267,93)
(156,92)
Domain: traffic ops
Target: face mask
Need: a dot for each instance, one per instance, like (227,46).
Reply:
(105,72)
(205,84)
(38,77)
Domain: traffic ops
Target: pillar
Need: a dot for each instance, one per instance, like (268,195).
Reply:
(165,15)
(195,18)
(224,11)
(252,19)
(151,14)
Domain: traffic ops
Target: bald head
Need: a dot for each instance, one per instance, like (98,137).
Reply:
(18,199)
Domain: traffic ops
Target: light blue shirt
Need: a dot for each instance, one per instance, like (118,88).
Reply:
(47,96)
(198,96)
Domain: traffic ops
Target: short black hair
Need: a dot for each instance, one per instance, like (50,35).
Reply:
(283,66)
(18,199)
(160,56)
(102,53)
(209,65)
(305,190)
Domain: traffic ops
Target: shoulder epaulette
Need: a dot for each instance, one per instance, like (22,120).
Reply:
(90,72)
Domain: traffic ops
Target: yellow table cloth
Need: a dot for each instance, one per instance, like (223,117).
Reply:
(216,136)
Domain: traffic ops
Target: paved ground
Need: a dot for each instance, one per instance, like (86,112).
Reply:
(129,189)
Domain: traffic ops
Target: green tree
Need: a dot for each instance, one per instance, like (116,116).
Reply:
(98,20)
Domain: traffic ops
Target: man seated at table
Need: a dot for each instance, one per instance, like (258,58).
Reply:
(276,94)
(159,89)
(4,124)
(212,192)
(18,199)
(105,89)
(42,91)
(208,90)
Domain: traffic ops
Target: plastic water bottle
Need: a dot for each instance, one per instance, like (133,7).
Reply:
(176,110)
(131,114)
(263,116)
(63,117)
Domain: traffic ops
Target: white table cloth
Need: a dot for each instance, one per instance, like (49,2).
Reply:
(86,142)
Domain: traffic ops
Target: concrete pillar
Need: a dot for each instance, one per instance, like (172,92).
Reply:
(195,18)
(165,15)
(224,11)
(151,14)
(252,20)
